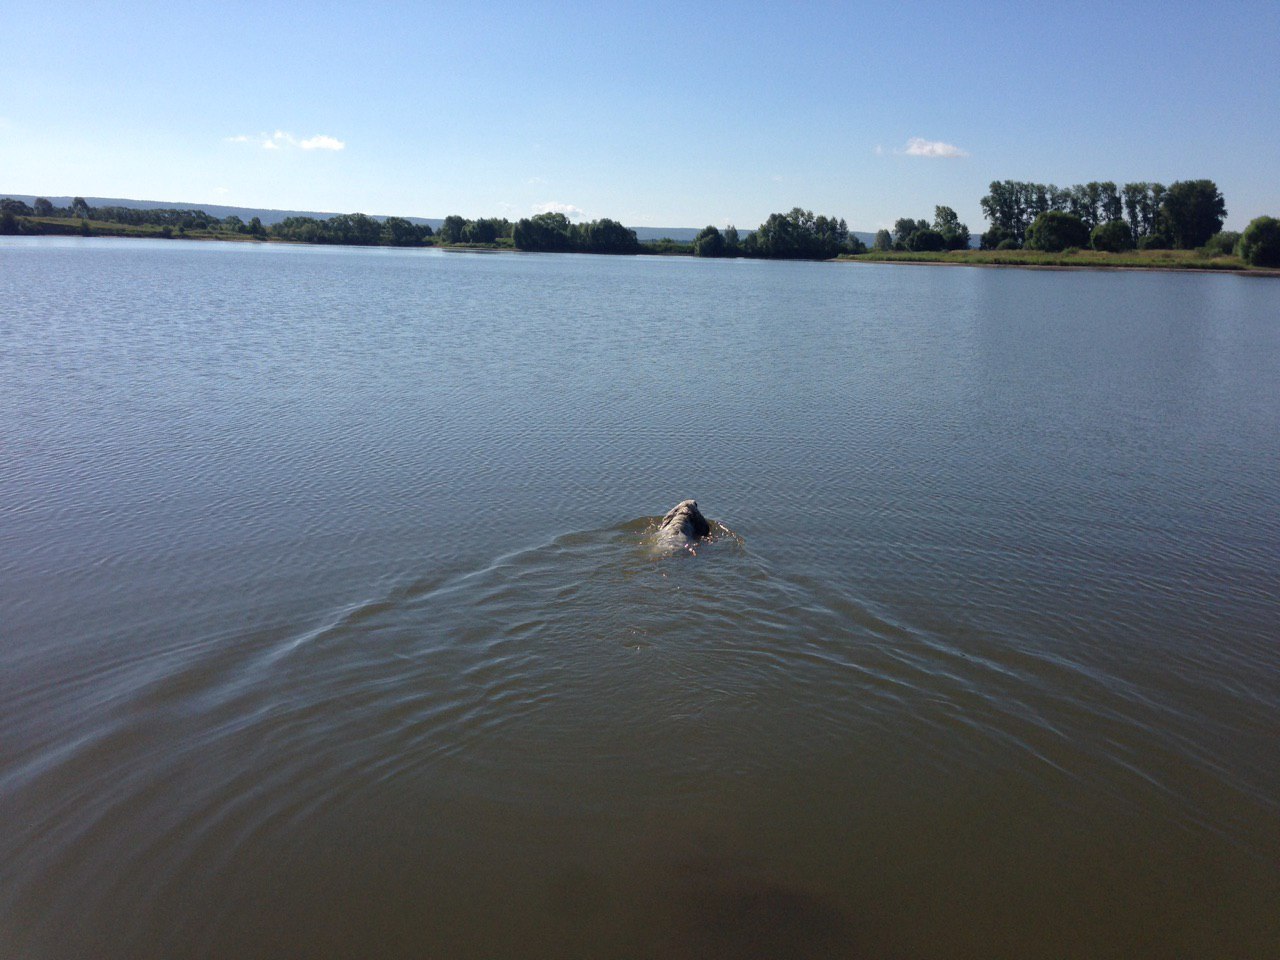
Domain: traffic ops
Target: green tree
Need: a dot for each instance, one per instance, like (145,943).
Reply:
(732,245)
(43,207)
(998,239)
(1054,231)
(798,235)
(1111,207)
(8,224)
(16,207)
(81,209)
(357,229)
(883,241)
(1192,211)
(955,234)
(300,230)
(607,236)
(453,229)
(1114,236)
(1006,206)
(399,232)
(709,243)
(480,231)
(926,240)
(256,228)
(903,228)
(544,232)
(1260,242)
(233,224)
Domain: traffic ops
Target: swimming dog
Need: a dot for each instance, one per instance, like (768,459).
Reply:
(685,521)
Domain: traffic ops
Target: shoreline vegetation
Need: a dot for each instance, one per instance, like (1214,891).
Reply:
(1185,260)
(1096,225)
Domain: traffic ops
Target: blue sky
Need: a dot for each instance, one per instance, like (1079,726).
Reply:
(650,113)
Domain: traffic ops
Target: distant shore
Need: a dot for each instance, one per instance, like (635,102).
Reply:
(1184,261)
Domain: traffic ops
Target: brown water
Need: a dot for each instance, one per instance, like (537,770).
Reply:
(330,626)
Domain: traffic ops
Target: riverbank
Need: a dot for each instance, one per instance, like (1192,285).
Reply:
(1184,260)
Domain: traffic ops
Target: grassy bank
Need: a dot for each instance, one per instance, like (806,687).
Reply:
(1095,259)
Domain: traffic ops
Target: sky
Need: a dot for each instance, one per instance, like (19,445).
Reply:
(651,113)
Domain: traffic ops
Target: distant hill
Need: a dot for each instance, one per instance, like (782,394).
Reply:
(268,217)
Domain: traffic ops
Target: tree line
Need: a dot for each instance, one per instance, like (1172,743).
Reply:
(798,235)
(1185,215)
(946,232)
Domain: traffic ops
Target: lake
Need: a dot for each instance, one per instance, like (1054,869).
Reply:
(331,624)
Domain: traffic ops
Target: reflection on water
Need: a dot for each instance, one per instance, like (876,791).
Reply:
(334,622)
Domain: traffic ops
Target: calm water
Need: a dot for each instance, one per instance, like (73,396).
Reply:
(329,626)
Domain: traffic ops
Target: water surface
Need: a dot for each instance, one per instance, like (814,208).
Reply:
(329,626)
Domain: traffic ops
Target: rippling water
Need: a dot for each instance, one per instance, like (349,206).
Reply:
(331,624)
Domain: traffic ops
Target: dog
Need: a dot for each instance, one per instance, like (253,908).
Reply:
(684,521)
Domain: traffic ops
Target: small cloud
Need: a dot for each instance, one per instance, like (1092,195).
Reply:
(535,181)
(920,147)
(280,139)
(555,206)
(776,178)
(321,142)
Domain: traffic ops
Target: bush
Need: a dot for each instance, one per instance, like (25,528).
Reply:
(1008,243)
(1154,241)
(1055,230)
(992,239)
(1114,236)
(1222,244)
(1260,242)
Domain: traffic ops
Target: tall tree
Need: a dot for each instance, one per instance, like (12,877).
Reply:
(732,245)
(1112,208)
(954,233)
(1193,211)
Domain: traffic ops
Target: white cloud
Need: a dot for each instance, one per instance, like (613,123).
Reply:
(535,181)
(281,139)
(920,147)
(555,206)
(321,142)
